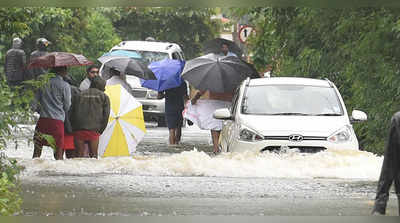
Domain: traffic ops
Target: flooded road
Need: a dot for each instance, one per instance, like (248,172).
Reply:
(188,180)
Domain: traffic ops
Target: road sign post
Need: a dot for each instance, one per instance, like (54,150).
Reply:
(244,32)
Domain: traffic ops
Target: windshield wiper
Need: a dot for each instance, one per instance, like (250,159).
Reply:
(328,114)
(288,113)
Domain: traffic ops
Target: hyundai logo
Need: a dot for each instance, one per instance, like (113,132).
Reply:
(296,138)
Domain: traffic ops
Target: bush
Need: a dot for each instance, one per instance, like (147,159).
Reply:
(15,107)
(10,200)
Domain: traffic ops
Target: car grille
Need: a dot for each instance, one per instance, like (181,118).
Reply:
(303,149)
(139,93)
(287,138)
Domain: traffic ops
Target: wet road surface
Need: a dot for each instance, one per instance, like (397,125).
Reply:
(188,180)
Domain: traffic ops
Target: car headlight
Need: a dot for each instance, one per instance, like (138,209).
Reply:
(152,95)
(340,136)
(249,135)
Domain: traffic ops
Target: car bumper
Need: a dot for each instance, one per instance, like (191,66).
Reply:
(153,106)
(304,146)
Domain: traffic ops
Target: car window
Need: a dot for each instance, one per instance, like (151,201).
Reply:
(292,99)
(153,56)
(150,56)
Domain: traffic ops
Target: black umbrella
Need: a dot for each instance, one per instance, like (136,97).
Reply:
(215,73)
(254,73)
(214,46)
(129,66)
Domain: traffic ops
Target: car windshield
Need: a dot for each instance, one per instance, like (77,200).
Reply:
(150,56)
(291,100)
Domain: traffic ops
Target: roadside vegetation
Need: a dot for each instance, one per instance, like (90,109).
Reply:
(357,49)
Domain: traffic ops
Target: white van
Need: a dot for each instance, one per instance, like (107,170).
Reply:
(150,51)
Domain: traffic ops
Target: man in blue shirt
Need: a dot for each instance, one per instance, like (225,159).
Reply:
(225,50)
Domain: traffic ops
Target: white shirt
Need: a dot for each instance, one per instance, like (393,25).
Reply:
(85,84)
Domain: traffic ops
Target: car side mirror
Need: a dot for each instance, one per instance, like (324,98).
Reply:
(358,116)
(223,114)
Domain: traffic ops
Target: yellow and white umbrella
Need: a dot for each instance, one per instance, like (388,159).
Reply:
(125,128)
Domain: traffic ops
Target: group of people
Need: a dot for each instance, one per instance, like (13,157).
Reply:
(15,66)
(74,117)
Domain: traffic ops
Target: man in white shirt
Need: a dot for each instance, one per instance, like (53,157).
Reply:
(91,72)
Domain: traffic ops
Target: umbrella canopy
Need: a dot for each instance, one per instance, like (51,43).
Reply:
(214,46)
(254,73)
(59,59)
(168,74)
(125,128)
(129,66)
(216,74)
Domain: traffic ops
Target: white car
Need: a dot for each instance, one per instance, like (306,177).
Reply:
(150,51)
(270,114)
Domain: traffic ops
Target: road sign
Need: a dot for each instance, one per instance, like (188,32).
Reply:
(245,32)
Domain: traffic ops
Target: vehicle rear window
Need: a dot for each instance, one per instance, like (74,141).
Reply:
(151,56)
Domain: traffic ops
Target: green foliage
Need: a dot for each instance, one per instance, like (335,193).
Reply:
(10,200)
(77,30)
(14,109)
(185,26)
(50,140)
(357,49)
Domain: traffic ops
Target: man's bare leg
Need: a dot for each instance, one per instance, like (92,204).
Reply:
(215,139)
(93,148)
(80,146)
(59,154)
(172,136)
(37,151)
(178,135)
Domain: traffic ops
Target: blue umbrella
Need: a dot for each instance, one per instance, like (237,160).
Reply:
(168,74)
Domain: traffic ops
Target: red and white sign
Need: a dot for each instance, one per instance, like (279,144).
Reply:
(245,32)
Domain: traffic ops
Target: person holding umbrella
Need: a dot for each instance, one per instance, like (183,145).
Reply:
(175,99)
(55,101)
(219,76)
(213,101)
(222,47)
(170,86)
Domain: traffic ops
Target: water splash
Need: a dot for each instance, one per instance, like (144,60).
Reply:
(342,164)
